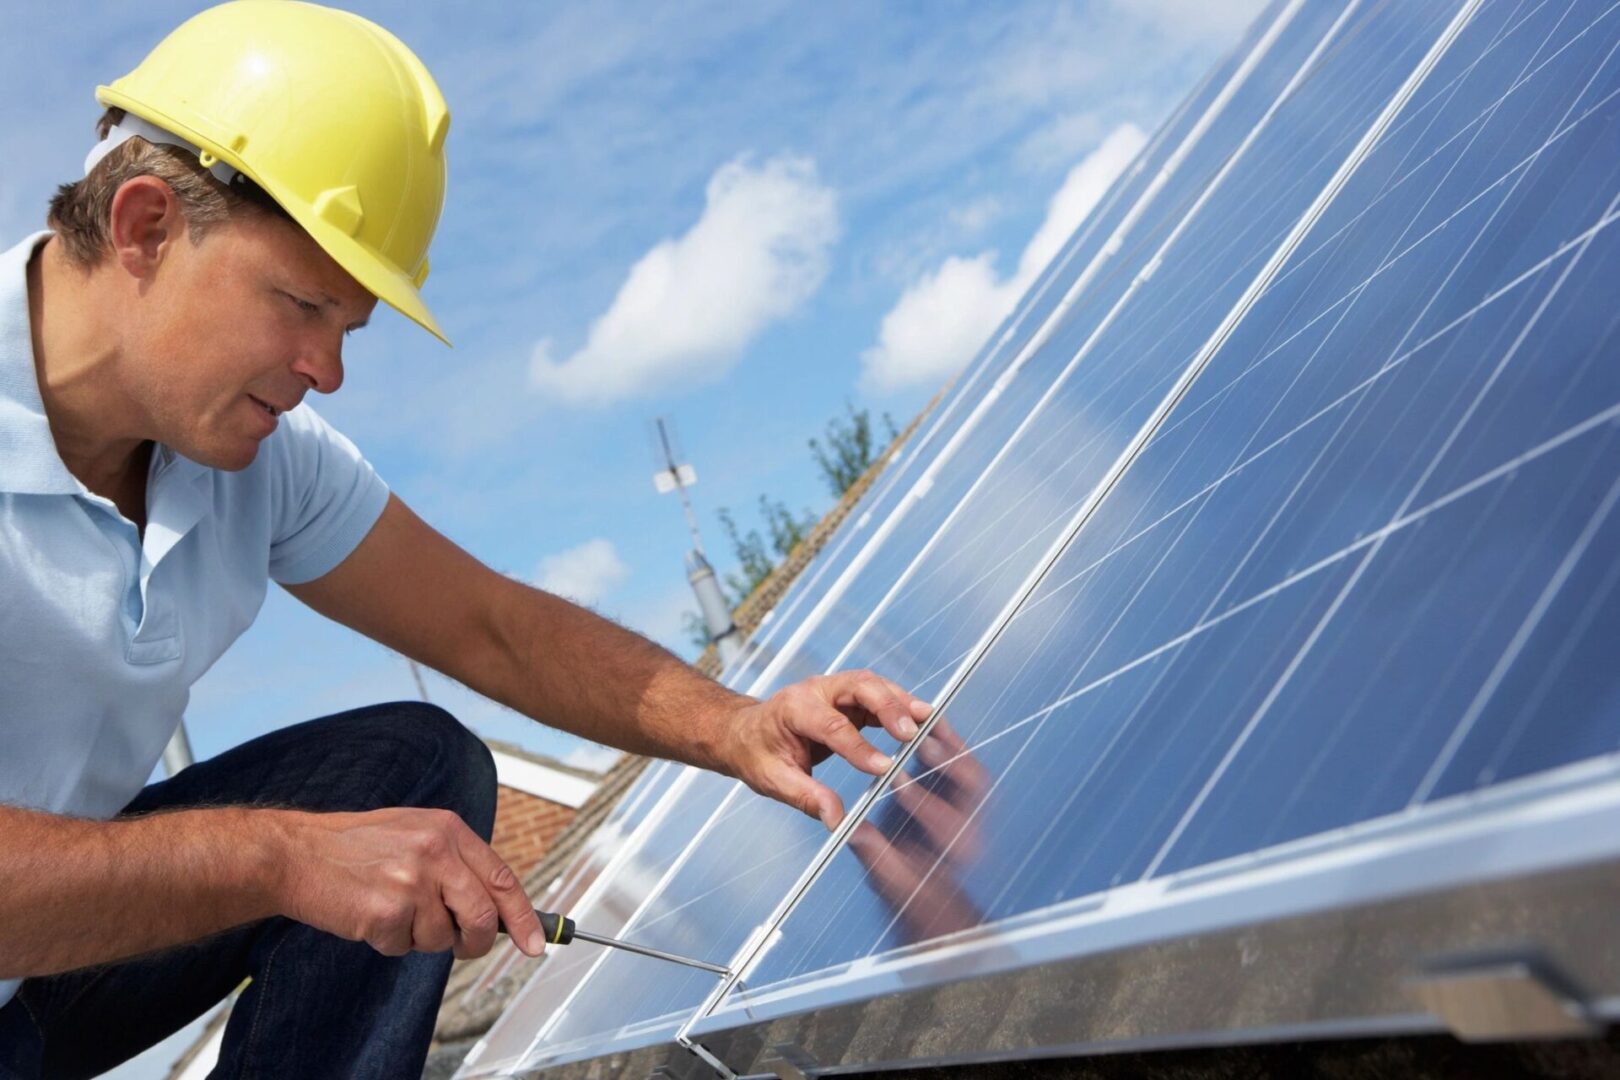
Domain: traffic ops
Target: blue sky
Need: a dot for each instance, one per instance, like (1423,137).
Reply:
(739,215)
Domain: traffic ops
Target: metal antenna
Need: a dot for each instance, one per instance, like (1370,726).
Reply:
(677,476)
(674,477)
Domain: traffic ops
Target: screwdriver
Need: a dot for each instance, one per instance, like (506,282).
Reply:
(560,930)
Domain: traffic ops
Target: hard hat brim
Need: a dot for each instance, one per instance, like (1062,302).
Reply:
(374,273)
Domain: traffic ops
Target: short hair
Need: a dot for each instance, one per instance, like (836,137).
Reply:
(81,212)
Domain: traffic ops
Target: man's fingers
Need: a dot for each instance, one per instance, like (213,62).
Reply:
(895,709)
(505,891)
(810,796)
(475,914)
(919,709)
(833,730)
(431,929)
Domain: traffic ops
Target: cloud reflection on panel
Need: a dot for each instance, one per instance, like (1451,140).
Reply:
(943,318)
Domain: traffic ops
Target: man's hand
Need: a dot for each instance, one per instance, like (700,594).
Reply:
(403,879)
(772,745)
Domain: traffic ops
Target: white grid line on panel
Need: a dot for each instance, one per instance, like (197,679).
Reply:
(1527,627)
(1597,602)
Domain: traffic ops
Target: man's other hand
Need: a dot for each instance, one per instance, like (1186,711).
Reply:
(403,879)
(773,744)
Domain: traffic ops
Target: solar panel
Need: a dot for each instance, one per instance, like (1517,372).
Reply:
(1270,599)
(670,921)
(1386,500)
(1122,240)
(1193,149)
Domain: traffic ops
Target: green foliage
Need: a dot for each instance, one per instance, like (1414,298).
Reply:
(849,449)
(756,556)
(843,454)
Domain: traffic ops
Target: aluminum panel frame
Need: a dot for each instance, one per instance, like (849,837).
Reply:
(1337,973)
(1200,960)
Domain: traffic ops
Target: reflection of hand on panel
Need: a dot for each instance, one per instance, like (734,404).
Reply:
(926,832)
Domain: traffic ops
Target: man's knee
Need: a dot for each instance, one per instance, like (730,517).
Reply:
(466,769)
(440,763)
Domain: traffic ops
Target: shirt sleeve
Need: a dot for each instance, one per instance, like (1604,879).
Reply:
(325,498)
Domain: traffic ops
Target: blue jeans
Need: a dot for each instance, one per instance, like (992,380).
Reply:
(318,1006)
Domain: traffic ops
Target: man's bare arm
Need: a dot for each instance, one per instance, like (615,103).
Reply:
(415,591)
(81,892)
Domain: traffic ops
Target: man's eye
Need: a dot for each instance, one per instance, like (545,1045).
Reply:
(304,305)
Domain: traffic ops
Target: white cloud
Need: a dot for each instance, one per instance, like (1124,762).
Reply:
(974,216)
(1192,20)
(692,304)
(583,574)
(942,319)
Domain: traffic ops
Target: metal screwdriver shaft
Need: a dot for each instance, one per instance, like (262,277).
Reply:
(654,953)
(560,930)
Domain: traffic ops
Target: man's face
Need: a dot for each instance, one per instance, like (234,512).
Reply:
(248,321)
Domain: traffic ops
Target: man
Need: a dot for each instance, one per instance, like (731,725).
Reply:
(267,173)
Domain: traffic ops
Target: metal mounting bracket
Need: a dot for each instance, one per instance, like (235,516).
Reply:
(789,1061)
(1502,999)
(720,1068)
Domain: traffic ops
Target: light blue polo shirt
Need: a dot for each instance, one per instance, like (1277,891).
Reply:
(102,633)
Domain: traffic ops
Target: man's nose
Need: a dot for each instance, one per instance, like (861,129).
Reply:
(321,369)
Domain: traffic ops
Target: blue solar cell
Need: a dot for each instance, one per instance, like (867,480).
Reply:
(1342,577)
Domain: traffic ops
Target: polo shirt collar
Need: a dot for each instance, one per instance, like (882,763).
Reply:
(177,497)
(29,463)
(177,488)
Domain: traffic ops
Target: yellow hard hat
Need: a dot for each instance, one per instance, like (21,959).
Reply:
(329,113)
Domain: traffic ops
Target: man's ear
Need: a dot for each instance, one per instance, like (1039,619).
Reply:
(144,224)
